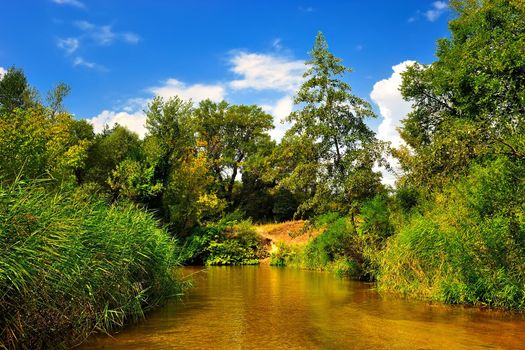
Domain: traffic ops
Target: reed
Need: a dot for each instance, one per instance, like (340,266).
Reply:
(71,267)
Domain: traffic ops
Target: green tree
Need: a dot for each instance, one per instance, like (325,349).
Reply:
(171,147)
(470,103)
(229,135)
(168,123)
(108,150)
(36,140)
(333,119)
(15,91)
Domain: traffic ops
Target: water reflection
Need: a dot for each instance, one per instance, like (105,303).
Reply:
(272,308)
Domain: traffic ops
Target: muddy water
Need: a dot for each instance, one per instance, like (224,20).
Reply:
(274,308)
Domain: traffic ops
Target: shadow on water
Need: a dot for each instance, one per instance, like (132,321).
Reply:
(272,308)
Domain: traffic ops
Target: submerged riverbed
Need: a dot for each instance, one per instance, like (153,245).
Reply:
(265,307)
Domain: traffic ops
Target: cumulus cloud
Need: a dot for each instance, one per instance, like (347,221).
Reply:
(393,109)
(266,72)
(135,121)
(69,45)
(2,72)
(438,8)
(392,106)
(74,3)
(197,92)
(280,110)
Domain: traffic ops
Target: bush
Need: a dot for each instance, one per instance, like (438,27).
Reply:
(285,255)
(70,267)
(468,246)
(333,243)
(227,242)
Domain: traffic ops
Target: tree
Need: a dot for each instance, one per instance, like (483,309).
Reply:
(333,120)
(108,150)
(168,123)
(36,140)
(229,135)
(470,103)
(171,148)
(15,91)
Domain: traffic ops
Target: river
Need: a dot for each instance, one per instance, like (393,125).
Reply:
(283,308)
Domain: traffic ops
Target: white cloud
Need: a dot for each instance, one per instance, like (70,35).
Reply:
(130,38)
(282,108)
(440,5)
(266,72)
(81,62)
(438,8)
(393,109)
(84,25)
(133,121)
(2,72)
(104,35)
(131,114)
(74,3)
(306,9)
(197,92)
(392,106)
(277,44)
(69,45)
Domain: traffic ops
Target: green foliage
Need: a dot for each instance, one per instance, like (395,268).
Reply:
(285,255)
(108,150)
(468,108)
(325,219)
(15,91)
(227,242)
(332,244)
(333,120)
(134,180)
(468,246)
(68,267)
(375,218)
(285,204)
(229,136)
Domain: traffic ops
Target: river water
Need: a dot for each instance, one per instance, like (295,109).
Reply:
(283,308)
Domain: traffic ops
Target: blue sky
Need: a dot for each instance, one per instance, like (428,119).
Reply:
(117,54)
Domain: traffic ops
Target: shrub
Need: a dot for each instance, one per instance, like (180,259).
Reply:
(227,242)
(285,255)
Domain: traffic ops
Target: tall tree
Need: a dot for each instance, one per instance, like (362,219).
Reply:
(334,120)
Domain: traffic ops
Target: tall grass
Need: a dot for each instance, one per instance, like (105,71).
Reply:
(467,245)
(69,267)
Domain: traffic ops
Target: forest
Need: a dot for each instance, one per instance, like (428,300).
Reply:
(93,225)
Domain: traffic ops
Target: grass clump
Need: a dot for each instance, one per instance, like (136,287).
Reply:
(70,267)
